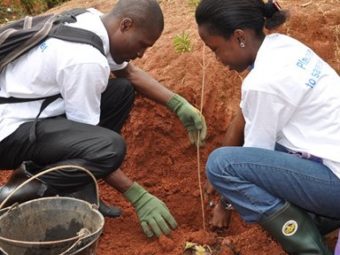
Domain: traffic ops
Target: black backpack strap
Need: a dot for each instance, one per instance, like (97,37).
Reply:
(79,35)
(74,34)
(31,41)
(45,103)
(9,100)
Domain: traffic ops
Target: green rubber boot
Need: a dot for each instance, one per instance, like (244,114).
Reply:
(324,224)
(295,231)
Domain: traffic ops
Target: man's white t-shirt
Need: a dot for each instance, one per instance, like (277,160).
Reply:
(292,97)
(79,72)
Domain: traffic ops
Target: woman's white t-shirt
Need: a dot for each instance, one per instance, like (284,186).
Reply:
(292,97)
(79,72)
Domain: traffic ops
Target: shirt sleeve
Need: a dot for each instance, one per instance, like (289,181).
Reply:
(81,89)
(114,66)
(265,115)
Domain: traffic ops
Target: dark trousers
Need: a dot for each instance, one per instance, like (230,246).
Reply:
(60,141)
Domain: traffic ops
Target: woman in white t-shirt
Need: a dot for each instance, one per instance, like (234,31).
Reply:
(337,247)
(286,174)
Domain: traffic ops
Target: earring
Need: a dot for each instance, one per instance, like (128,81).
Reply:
(242,45)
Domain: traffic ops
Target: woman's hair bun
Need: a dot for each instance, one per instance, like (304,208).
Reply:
(270,8)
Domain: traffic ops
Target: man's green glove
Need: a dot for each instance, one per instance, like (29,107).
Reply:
(191,118)
(151,211)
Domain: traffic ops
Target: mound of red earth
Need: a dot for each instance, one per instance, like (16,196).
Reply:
(159,154)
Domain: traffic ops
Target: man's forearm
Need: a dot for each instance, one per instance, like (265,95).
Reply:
(119,181)
(145,84)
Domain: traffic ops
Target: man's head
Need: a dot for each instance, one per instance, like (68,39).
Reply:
(133,26)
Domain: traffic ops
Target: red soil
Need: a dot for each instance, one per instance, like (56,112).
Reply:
(160,156)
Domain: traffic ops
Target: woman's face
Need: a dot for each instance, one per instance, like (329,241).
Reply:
(227,51)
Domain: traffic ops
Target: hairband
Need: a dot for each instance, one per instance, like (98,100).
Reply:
(277,5)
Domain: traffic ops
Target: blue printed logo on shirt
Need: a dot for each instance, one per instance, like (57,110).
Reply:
(315,74)
(43,46)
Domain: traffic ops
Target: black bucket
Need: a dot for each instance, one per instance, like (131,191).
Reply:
(51,226)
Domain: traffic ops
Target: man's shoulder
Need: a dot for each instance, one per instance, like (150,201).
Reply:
(91,21)
(72,52)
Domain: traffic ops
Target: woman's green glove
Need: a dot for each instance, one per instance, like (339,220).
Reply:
(153,214)
(191,118)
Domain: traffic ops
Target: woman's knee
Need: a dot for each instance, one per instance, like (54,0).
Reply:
(220,163)
(214,164)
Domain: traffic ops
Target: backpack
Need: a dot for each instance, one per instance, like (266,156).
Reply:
(18,37)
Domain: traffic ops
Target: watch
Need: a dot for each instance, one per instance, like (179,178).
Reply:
(226,205)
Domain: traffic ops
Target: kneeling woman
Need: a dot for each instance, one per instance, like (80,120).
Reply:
(285,172)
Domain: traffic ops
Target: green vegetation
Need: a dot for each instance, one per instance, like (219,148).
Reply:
(38,6)
(194,3)
(182,43)
(19,8)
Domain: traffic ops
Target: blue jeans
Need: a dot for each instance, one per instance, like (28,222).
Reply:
(257,182)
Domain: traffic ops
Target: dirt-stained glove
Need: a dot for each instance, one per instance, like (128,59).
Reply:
(153,214)
(191,118)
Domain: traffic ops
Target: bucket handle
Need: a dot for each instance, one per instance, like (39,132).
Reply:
(2,252)
(82,234)
(51,170)
(77,239)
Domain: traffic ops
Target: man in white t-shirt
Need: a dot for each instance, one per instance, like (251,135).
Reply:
(82,126)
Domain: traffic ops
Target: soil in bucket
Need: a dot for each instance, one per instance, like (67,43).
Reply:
(50,226)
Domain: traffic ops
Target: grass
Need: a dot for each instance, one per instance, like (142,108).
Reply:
(193,3)
(18,9)
(182,43)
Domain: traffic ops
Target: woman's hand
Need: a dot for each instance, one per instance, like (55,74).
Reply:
(221,216)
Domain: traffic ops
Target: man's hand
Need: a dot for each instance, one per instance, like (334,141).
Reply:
(191,118)
(153,214)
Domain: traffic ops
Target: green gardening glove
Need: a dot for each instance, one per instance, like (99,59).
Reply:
(153,214)
(191,118)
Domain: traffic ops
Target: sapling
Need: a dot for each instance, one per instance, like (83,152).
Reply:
(194,3)
(182,43)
